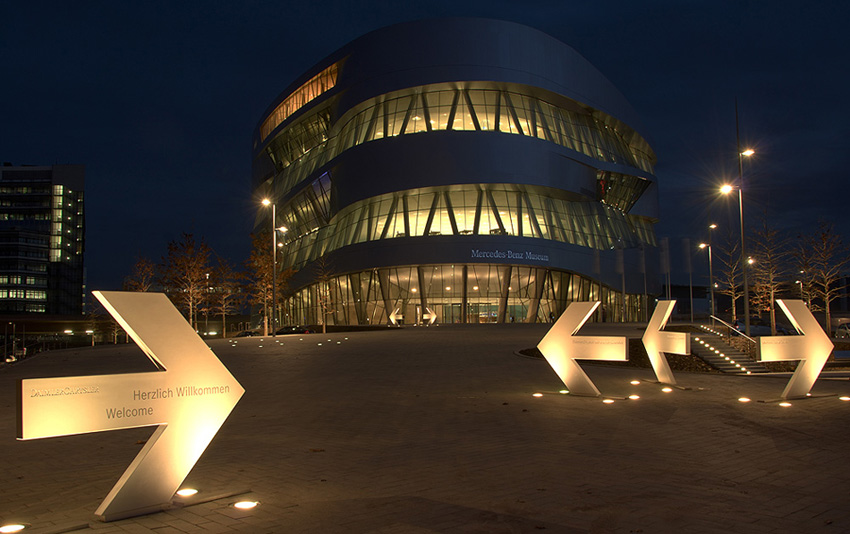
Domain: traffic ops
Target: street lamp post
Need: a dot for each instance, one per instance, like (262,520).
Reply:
(710,272)
(266,202)
(726,189)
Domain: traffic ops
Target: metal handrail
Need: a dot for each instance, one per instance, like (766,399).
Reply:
(733,329)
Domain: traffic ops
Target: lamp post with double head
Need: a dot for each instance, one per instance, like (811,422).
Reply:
(710,272)
(267,202)
(726,189)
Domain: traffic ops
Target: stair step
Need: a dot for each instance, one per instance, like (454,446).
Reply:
(720,362)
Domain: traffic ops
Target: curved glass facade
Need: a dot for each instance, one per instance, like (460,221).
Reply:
(308,145)
(456,294)
(534,190)
(462,210)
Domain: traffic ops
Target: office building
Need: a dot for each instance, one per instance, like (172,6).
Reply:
(42,239)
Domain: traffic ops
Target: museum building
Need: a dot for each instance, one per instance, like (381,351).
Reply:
(457,171)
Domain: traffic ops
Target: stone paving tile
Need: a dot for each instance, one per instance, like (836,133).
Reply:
(435,430)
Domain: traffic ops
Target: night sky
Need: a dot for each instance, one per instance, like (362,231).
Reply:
(159,101)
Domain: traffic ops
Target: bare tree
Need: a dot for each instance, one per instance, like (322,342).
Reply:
(260,265)
(143,276)
(828,256)
(324,296)
(226,291)
(805,277)
(770,251)
(184,274)
(729,270)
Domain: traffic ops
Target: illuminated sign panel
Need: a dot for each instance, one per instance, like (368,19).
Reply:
(657,342)
(561,348)
(187,401)
(812,347)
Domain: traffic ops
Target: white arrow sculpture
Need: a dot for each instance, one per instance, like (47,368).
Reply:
(430,316)
(561,348)
(187,401)
(395,316)
(812,347)
(657,342)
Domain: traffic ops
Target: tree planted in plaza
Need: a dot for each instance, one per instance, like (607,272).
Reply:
(184,274)
(324,274)
(769,270)
(225,291)
(827,257)
(260,266)
(729,270)
(143,276)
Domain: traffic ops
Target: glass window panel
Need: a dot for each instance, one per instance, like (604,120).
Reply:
(416,123)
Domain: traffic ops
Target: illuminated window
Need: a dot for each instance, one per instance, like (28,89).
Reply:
(471,209)
(493,293)
(298,153)
(314,87)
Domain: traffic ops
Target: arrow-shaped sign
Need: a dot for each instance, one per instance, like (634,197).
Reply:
(561,348)
(395,316)
(657,342)
(430,316)
(187,401)
(811,347)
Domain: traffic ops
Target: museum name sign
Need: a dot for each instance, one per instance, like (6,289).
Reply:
(508,255)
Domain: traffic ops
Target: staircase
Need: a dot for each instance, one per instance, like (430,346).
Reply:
(712,348)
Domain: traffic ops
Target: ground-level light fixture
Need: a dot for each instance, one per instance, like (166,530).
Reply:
(743,399)
(844,398)
(607,401)
(635,382)
(245,505)
(666,389)
(15,527)
(785,404)
(537,395)
(634,397)
(187,492)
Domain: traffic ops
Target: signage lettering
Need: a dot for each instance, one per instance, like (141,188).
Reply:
(173,400)
(508,255)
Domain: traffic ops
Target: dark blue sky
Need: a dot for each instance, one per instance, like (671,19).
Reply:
(159,101)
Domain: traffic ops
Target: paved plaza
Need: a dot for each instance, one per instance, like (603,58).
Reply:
(424,430)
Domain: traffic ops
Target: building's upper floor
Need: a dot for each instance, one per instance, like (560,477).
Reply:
(447,75)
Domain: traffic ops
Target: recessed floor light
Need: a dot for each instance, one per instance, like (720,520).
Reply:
(743,399)
(187,492)
(785,404)
(537,395)
(607,401)
(845,399)
(17,527)
(245,505)
(635,382)
(667,390)
(634,397)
